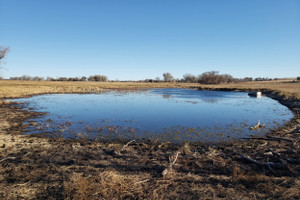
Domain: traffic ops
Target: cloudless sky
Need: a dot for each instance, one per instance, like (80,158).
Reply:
(139,39)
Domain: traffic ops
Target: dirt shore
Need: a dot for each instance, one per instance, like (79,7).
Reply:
(34,167)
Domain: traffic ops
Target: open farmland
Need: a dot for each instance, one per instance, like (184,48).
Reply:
(15,89)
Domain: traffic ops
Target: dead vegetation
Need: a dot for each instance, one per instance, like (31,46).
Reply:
(14,89)
(40,168)
(34,167)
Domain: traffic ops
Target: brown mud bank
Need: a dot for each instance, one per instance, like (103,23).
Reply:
(34,167)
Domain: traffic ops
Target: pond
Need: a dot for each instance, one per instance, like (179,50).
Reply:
(174,115)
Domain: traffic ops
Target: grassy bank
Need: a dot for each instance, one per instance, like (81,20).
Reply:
(34,167)
(288,88)
(13,89)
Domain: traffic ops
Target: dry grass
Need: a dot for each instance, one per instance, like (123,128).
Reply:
(289,88)
(59,169)
(40,168)
(105,185)
(13,89)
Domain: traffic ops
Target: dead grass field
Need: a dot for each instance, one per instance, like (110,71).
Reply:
(33,167)
(14,89)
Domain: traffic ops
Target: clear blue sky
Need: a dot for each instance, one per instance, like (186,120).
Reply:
(138,39)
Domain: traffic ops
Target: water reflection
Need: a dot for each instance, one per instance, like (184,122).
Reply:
(166,96)
(210,100)
(164,114)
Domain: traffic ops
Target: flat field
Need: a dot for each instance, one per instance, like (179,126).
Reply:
(14,89)
(35,167)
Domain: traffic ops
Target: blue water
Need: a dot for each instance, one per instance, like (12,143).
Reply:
(164,114)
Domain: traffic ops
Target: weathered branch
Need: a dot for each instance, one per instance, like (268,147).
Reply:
(3,52)
(126,145)
(8,158)
(169,168)
(143,181)
(280,138)
(268,138)
(264,164)
(283,158)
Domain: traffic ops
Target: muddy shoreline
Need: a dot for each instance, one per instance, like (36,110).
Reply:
(292,103)
(40,168)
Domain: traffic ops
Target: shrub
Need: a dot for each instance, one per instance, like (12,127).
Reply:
(148,80)
(27,78)
(73,79)
(99,78)
(168,77)
(37,78)
(190,78)
(262,79)
(247,79)
(83,78)
(213,77)
(62,79)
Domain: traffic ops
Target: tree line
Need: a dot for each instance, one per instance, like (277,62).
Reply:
(97,78)
(211,77)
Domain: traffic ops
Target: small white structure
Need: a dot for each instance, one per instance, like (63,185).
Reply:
(255,94)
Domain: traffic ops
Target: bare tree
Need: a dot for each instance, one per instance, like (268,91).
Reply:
(49,78)
(168,77)
(62,79)
(83,78)
(98,78)
(37,78)
(247,79)
(3,52)
(213,77)
(190,78)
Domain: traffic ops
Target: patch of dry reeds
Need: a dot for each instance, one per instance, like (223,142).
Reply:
(105,185)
